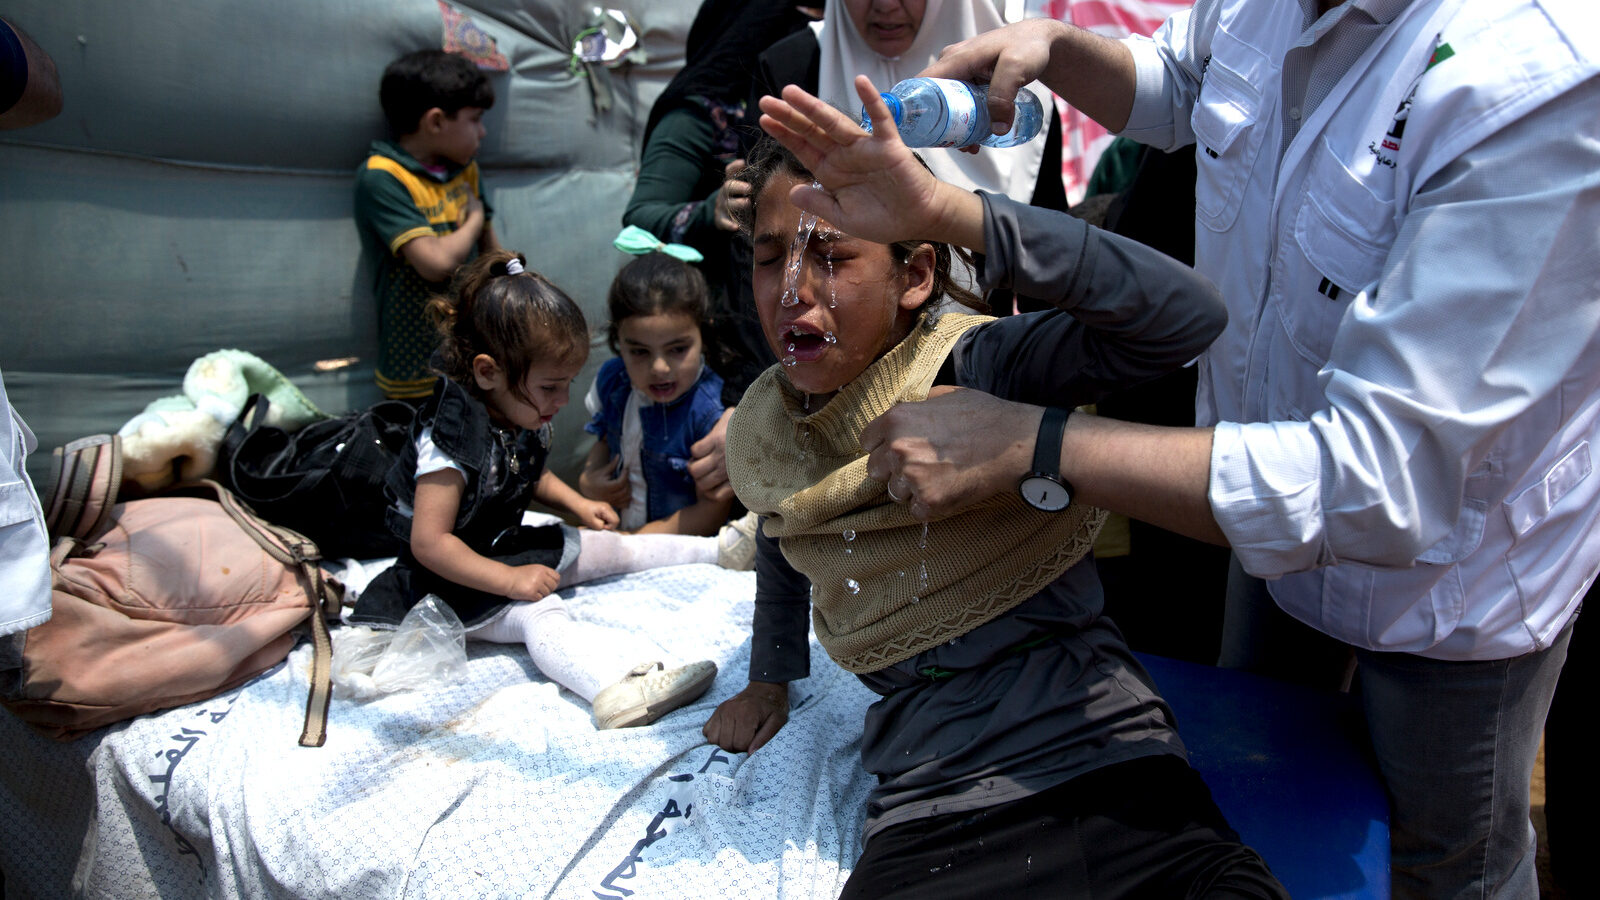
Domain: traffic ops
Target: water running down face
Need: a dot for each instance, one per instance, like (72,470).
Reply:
(852,302)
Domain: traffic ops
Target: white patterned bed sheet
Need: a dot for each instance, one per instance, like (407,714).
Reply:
(496,787)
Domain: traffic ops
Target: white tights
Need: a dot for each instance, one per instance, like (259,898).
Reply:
(603,553)
(581,656)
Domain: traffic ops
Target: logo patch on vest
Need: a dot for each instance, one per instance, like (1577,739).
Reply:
(1441,52)
(1386,149)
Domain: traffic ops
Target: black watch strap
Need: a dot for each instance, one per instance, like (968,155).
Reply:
(1047,447)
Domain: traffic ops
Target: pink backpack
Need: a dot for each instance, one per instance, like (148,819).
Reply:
(164,601)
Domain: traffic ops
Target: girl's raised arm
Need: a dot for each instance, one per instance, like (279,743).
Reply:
(872,185)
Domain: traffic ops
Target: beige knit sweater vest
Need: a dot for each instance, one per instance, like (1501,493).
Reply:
(886,587)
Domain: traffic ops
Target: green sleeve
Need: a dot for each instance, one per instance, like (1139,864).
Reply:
(385,210)
(677,170)
(1116,168)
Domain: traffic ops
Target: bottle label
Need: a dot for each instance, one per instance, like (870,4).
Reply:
(962,108)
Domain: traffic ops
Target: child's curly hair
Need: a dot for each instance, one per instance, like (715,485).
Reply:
(517,320)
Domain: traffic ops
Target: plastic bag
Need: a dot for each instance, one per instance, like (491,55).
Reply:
(429,648)
(356,650)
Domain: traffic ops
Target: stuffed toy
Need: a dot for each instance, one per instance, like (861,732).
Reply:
(176,438)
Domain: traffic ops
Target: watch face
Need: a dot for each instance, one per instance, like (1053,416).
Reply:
(1045,493)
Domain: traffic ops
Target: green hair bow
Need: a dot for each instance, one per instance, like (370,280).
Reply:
(637,241)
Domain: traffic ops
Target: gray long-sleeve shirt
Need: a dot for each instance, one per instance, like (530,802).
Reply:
(1049,690)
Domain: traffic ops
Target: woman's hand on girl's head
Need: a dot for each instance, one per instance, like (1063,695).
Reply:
(873,186)
(532,582)
(733,198)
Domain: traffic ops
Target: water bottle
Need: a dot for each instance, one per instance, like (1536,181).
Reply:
(943,112)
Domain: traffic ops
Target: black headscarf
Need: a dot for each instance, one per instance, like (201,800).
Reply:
(720,54)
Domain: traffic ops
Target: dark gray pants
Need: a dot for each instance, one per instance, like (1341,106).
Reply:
(1455,742)
(1145,828)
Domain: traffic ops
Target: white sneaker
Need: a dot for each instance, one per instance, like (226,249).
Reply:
(649,692)
(736,543)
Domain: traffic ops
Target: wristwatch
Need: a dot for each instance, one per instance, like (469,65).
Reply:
(1043,488)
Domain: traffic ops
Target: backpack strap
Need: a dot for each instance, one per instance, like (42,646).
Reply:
(296,551)
(247,422)
(84,478)
(61,550)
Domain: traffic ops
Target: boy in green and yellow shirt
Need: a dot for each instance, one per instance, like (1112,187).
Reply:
(419,204)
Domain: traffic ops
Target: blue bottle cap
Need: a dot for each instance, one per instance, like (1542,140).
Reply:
(896,110)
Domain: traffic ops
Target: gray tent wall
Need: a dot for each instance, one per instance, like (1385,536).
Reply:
(195,192)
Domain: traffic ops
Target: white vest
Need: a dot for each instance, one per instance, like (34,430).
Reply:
(1315,234)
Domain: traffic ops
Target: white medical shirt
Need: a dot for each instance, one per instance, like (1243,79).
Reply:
(1401,205)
